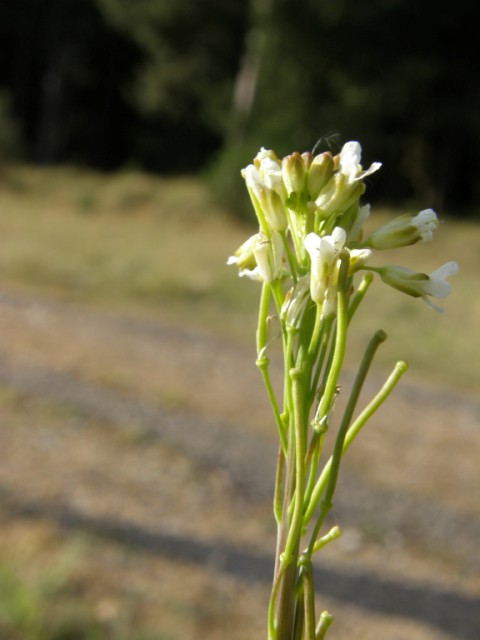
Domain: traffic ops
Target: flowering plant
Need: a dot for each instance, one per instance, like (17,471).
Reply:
(308,254)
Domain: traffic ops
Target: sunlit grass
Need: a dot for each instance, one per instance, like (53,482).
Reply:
(148,244)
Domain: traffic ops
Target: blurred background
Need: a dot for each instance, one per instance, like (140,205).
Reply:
(137,446)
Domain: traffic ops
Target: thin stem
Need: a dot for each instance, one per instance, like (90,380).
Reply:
(277,496)
(262,364)
(333,534)
(294,232)
(359,295)
(324,623)
(340,339)
(354,430)
(320,357)
(308,599)
(316,334)
(262,320)
(262,361)
(272,627)
(298,418)
(377,339)
(290,257)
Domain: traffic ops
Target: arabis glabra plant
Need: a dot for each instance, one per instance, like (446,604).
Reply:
(313,264)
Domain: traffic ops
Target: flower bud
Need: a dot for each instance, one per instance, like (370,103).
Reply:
(264,154)
(339,194)
(296,301)
(293,173)
(307,159)
(320,172)
(274,209)
(268,253)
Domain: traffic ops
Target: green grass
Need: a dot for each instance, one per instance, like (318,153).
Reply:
(148,244)
(44,597)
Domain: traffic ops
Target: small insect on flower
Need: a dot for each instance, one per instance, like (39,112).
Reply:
(331,141)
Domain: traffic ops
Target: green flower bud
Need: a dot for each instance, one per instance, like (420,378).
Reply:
(339,194)
(269,255)
(294,173)
(319,174)
(274,209)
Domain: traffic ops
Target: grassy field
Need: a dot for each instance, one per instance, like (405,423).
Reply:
(153,245)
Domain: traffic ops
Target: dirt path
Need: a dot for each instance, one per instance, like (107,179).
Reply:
(117,425)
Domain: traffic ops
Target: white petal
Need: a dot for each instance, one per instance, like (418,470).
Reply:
(446,270)
(253,180)
(252,274)
(375,166)
(339,237)
(438,287)
(425,222)
(312,245)
(350,157)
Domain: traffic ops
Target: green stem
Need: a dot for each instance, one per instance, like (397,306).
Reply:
(298,418)
(308,599)
(290,257)
(377,339)
(294,232)
(359,295)
(277,496)
(262,320)
(317,333)
(262,362)
(320,358)
(340,339)
(354,430)
(324,623)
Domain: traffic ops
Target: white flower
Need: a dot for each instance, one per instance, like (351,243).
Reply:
(438,286)
(420,285)
(358,257)
(267,191)
(243,256)
(271,173)
(295,303)
(323,252)
(268,253)
(404,230)
(253,180)
(260,258)
(350,166)
(266,173)
(425,222)
(355,231)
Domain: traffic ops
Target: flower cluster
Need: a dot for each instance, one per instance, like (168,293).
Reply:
(309,213)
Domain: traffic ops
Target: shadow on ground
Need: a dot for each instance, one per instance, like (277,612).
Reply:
(450,612)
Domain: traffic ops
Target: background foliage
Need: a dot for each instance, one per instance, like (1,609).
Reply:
(175,87)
